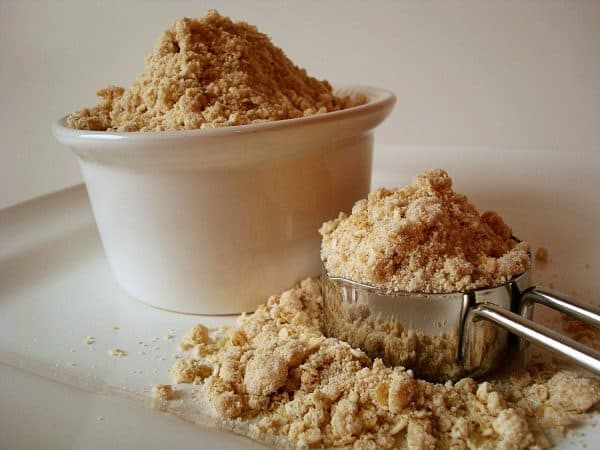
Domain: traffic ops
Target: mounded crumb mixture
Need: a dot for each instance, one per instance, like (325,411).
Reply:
(211,72)
(423,237)
(278,372)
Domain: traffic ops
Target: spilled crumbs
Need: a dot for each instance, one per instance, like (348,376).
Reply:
(278,372)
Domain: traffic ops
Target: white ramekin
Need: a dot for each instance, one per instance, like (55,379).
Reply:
(214,221)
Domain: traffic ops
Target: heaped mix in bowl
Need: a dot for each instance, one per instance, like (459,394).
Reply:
(211,72)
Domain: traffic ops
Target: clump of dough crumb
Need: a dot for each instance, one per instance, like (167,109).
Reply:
(162,392)
(117,352)
(281,376)
(211,72)
(187,370)
(423,237)
(195,336)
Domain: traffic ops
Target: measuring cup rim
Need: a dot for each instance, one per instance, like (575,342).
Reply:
(517,279)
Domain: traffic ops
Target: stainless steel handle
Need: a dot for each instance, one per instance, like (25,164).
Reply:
(563,303)
(539,334)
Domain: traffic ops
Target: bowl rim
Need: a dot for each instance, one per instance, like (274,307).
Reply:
(377,99)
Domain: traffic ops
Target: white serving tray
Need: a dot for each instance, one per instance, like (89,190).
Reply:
(56,289)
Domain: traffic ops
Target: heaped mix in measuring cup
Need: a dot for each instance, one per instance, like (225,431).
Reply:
(418,277)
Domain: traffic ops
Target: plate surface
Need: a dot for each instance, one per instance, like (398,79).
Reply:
(56,289)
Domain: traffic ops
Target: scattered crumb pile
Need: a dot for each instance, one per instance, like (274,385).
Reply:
(283,377)
(423,237)
(211,72)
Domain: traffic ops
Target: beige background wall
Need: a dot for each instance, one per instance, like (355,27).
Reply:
(503,74)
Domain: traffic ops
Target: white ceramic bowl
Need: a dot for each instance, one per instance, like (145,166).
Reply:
(214,221)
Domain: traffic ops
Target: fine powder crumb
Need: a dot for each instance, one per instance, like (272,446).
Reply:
(162,392)
(211,72)
(278,372)
(117,352)
(423,237)
(541,255)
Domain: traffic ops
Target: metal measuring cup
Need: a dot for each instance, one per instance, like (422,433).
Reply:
(450,336)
